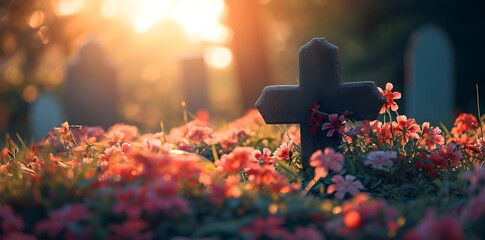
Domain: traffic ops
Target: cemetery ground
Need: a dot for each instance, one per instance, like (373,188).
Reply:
(394,178)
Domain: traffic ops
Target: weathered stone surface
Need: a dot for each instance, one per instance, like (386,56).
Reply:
(319,74)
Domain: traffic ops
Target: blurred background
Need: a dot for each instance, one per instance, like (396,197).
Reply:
(135,61)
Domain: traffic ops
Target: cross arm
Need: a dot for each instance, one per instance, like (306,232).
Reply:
(362,99)
(281,104)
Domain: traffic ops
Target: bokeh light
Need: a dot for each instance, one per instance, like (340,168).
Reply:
(67,7)
(36,19)
(30,93)
(218,57)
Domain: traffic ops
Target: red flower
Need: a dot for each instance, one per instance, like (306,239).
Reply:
(62,218)
(463,123)
(407,128)
(389,96)
(262,159)
(237,160)
(431,136)
(323,161)
(336,123)
(9,221)
(447,157)
(131,229)
(263,176)
(226,189)
(269,227)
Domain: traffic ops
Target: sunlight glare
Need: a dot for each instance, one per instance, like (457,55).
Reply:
(109,8)
(67,7)
(217,33)
(152,12)
(218,57)
(197,16)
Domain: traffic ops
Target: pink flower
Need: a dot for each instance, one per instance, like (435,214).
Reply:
(155,144)
(380,159)
(131,229)
(262,159)
(199,134)
(447,157)
(128,203)
(323,161)
(62,218)
(283,152)
(234,162)
(407,128)
(308,233)
(343,186)
(431,136)
(270,227)
(18,236)
(432,228)
(476,178)
(336,123)
(389,96)
(86,133)
(475,209)
(9,221)
(122,133)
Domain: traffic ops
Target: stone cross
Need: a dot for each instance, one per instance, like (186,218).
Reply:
(430,76)
(319,75)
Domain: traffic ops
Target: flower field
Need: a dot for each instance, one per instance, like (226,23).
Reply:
(390,178)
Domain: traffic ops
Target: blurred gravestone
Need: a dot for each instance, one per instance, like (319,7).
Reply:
(429,85)
(196,84)
(319,70)
(45,113)
(91,89)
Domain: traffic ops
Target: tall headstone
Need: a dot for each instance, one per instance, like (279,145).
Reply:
(249,49)
(430,76)
(45,113)
(196,84)
(91,88)
(319,74)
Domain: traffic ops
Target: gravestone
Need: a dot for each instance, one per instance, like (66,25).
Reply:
(195,81)
(429,84)
(45,113)
(319,75)
(91,89)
